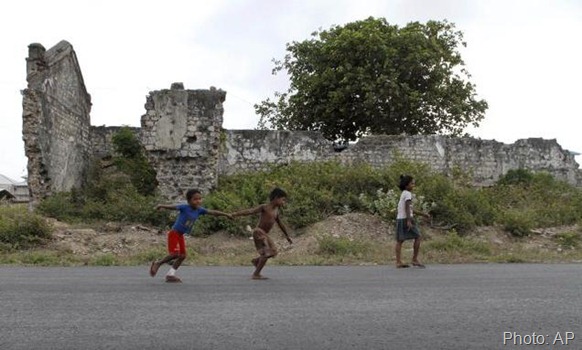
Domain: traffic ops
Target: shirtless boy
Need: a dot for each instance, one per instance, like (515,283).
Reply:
(269,215)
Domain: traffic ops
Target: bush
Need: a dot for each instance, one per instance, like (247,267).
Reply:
(120,203)
(342,246)
(519,202)
(535,200)
(133,162)
(62,206)
(456,204)
(20,229)
(517,223)
(455,243)
(569,240)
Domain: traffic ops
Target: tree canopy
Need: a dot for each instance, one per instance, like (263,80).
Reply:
(370,77)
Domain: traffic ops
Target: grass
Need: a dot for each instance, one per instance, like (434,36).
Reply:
(320,249)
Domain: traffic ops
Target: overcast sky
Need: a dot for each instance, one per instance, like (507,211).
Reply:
(524,56)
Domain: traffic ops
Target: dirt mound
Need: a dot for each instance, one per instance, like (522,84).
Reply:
(106,238)
(353,226)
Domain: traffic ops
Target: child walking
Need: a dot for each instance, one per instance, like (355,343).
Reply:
(406,227)
(269,215)
(188,214)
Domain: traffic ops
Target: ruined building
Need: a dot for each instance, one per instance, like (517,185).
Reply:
(181,132)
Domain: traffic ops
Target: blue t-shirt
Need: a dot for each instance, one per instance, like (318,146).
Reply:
(187,217)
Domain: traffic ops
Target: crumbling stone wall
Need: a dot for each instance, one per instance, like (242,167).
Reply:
(56,120)
(247,150)
(181,133)
(487,160)
(102,139)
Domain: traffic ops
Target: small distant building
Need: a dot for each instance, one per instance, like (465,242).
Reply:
(13,191)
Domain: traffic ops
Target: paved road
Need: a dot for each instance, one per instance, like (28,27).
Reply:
(373,307)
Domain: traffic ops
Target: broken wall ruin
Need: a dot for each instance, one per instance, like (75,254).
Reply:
(56,121)
(486,160)
(181,132)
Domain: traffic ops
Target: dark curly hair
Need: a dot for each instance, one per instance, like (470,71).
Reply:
(277,193)
(191,193)
(404,181)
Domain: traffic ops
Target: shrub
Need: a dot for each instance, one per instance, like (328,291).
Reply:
(456,204)
(520,201)
(535,200)
(517,223)
(61,206)
(517,177)
(453,242)
(383,204)
(20,229)
(568,240)
(342,246)
(133,162)
(120,203)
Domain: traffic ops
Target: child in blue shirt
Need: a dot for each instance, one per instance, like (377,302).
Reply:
(189,213)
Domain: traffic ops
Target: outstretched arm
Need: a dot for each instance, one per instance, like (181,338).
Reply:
(284,229)
(164,206)
(218,213)
(251,211)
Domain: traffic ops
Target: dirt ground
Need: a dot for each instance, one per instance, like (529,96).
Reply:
(119,239)
(130,240)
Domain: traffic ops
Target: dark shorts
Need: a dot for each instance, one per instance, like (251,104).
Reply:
(264,244)
(403,233)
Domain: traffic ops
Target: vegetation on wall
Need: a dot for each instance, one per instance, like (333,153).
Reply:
(122,190)
(131,160)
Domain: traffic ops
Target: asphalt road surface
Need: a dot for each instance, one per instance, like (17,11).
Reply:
(489,306)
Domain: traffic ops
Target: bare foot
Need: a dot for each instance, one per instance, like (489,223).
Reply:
(154,268)
(259,277)
(173,279)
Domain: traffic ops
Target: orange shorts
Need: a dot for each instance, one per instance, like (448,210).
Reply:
(176,243)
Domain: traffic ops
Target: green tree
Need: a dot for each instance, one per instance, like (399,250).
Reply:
(372,77)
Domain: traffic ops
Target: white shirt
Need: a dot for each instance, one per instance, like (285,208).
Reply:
(405,196)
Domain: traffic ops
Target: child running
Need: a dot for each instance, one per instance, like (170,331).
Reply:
(406,227)
(189,213)
(269,215)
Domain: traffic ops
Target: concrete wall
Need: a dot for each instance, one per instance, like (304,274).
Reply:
(56,120)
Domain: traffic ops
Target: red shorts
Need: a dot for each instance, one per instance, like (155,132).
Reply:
(176,243)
